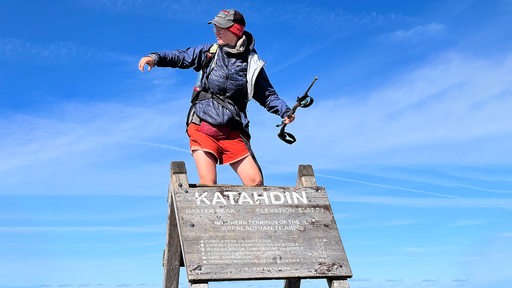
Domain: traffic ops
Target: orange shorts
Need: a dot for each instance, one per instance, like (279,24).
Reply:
(226,144)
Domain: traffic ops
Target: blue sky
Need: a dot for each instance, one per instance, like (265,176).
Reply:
(410,134)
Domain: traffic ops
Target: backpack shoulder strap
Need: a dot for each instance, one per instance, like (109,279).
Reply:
(210,56)
(205,71)
(214,48)
(197,92)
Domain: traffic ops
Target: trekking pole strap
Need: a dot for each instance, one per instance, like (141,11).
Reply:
(287,137)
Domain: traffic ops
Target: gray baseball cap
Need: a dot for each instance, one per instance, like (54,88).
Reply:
(227,18)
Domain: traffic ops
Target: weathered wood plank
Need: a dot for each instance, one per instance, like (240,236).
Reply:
(172,253)
(173,258)
(240,232)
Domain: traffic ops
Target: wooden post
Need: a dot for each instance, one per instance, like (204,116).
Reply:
(292,283)
(305,178)
(338,283)
(172,254)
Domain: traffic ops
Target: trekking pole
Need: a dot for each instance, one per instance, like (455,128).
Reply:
(303,101)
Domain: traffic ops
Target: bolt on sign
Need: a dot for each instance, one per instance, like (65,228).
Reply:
(249,233)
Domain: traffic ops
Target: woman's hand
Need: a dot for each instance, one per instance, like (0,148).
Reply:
(289,119)
(146,60)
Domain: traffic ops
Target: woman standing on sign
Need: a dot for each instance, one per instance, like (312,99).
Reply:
(232,74)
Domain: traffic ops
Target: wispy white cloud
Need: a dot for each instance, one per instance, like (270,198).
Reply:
(423,202)
(183,10)
(415,34)
(84,229)
(393,187)
(160,145)
(399,222)
(426,250)
(81,128)
(52,53)
(452,111)
(333,19)
(498,191)
(467,222)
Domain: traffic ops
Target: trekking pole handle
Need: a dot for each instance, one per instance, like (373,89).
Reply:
(303,101)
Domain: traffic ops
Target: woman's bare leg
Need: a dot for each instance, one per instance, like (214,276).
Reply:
(206,164)
(248,171)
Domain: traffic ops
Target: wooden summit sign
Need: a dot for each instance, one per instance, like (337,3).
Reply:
(224,232)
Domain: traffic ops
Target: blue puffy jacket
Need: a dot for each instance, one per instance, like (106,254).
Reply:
(236,73)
